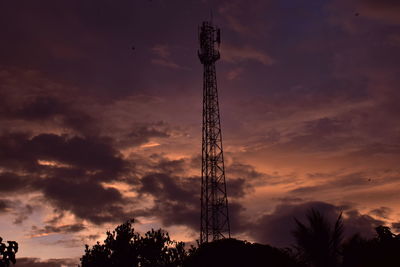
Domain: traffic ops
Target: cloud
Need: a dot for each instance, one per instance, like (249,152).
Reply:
(142,132)
(382,212)
(162,51)
(12,182)
(163,54)
(62,229)
(347,182)
(396,226)
(383,10)
(16,208)
(275,228)
(170,188)
(30,99)
(165,63)
(230,12)
(252,178)
(242,18)
(22,213)
(86,199)
(236,54)
(246,171)
(234,74)
(50,151)
(365,225)
(4,205)
(68,171)
(353,15)
(89,153)
(176,198)
(36,262)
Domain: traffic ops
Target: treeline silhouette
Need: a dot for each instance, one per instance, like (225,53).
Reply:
(318,244)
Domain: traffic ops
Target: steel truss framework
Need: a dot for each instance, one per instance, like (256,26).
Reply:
(214,222)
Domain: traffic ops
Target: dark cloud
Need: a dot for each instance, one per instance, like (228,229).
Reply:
(177,199)
(41,108)
(36,262)
(18,151)
(321,135)
(13,155)
(45,108)
(244,177)
(275,228)
(385,10)
(88,153)
(172,167)
(377,149)
(31,99)
(142,132)
(16,208)
(382,212)
(325,126)
(172,213)
(355,222)
(64,229)
(347,181)
(86,199)
(68,171)
(396,227)
(237,188)
(290,199)
(239,223)
(170,188)
(22,213)
(245,171)
(11,182)
(176,195)
(4,205)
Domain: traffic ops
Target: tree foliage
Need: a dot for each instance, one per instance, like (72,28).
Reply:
(318,244)
(126,248)
(382,251)
(237,253)
(7,253)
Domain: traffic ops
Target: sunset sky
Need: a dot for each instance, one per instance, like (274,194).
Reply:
(100,118)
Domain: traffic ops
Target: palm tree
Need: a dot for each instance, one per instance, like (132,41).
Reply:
(318,244)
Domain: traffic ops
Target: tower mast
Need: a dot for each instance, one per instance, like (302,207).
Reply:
(214,222)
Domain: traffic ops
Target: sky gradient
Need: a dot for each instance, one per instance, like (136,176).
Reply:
(100,118)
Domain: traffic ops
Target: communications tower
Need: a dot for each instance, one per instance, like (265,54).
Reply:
(214,222)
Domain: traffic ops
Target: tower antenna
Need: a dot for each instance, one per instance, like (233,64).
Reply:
(214,221)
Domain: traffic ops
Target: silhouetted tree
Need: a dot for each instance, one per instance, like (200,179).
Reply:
(381,251)
(7,253)
(318,244)
(126,248)
(237,253)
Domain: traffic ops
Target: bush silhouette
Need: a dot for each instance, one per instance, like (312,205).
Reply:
(7,253)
